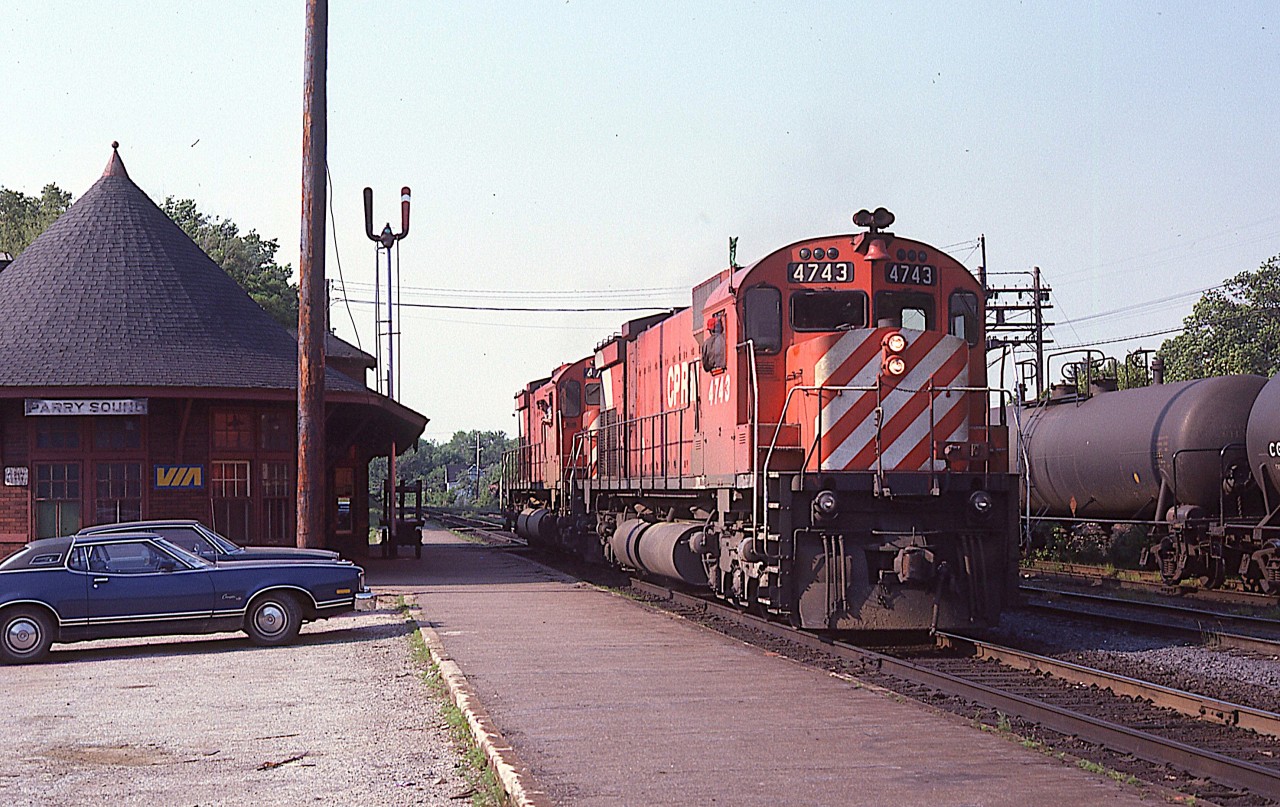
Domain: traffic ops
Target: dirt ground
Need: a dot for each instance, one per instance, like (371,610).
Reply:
(342,716)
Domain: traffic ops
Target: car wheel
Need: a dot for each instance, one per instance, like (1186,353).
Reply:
(25,635)
(273,619)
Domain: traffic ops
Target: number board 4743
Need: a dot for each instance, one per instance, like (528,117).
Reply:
(820,272)
(912,274)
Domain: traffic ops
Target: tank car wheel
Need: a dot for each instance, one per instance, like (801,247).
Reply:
(25,635)
(273,619)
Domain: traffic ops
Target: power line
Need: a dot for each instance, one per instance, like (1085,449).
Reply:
(522,309)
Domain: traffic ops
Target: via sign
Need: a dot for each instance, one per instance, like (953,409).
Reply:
(179,477)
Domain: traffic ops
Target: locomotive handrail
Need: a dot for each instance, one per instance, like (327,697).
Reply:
(622,427)
(806,389)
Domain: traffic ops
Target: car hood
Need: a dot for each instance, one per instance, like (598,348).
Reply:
(281,553)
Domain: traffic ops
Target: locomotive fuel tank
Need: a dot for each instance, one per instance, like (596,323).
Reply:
(664,548)
(1264,438)
(537,526)
(1109,455)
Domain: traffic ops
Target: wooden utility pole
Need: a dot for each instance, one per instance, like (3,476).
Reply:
(312,496)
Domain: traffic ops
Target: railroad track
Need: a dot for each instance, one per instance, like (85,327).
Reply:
(489,527)
(1240,631)
(1149,582)
(1224,743)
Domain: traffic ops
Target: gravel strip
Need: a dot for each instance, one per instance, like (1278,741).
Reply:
(340,717)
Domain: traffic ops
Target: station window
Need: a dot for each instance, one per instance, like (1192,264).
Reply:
(762,318)
(58,432)
(275,431)
(229,490)
(570,399)
(905,309)
(118,492)
(963,313)
(57,498)
(117,433)
(828,310)
(277,493)
(232,430)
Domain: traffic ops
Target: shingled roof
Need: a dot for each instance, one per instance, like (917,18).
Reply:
(115,294)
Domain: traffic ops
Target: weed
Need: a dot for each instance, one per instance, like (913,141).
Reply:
(486,790)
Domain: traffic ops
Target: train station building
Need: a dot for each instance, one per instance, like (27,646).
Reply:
(138,380)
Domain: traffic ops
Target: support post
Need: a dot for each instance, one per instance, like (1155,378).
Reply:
(312,495)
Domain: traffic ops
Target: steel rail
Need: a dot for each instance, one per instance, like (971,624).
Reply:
(1188,703)
(1170,608)
(1196,625)
(1149,747)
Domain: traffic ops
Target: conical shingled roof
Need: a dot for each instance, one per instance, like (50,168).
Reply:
(114,293)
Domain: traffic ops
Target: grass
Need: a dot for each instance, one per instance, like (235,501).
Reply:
(486,790)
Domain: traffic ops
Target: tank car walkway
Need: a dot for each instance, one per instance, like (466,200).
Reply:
(609,702)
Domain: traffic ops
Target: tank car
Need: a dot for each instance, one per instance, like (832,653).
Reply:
(811,437)
(1260,540)
(1170,456)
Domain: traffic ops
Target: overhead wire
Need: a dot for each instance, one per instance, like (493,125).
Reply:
(337,255)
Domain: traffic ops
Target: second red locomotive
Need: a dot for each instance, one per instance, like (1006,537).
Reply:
(811,437)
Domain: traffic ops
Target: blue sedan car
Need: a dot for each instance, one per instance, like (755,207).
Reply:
(140,584)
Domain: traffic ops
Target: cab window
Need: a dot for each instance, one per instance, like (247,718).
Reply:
(905,309)
(963,316)
(828,310)
(762,318)
(593,393)
(570,399)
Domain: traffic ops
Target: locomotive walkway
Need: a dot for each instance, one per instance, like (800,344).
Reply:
(606,701)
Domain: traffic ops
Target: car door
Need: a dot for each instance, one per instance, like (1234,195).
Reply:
(137,588)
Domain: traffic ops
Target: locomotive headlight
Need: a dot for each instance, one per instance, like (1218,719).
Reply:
(982,503)
(896,342)
(825,506)
(895,365)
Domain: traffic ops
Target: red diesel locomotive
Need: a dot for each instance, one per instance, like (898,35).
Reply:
(811,438)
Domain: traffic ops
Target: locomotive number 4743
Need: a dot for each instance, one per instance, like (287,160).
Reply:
(820,272)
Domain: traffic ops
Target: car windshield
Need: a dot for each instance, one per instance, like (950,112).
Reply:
(224,545)
(194,561)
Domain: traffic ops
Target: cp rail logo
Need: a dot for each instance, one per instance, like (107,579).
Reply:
(179,477)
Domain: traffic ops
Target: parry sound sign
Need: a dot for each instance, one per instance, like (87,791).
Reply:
(86,406)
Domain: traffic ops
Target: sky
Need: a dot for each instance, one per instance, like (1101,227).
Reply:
(600,154)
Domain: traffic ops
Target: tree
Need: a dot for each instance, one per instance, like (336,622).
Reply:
(249,258)
(1233,329)
(24,217)
(429,460)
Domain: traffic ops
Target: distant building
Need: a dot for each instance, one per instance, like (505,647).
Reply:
(138,380)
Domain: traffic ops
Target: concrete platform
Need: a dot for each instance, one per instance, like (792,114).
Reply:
(607,701)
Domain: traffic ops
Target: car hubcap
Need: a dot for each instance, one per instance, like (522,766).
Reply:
(271,618)
(22,635)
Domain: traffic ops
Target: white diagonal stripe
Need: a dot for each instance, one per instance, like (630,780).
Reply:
(897,451)
(916,378)
(836,355)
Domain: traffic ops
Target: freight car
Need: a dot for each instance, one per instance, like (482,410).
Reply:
(1182,461)
(810,437)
